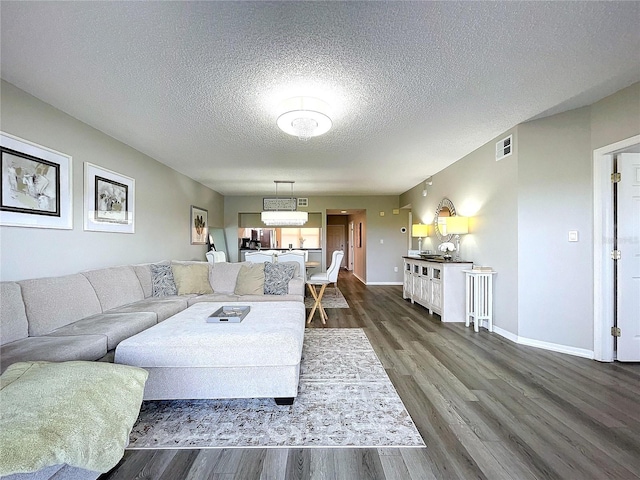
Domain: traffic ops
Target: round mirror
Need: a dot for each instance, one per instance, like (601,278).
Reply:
(445,209)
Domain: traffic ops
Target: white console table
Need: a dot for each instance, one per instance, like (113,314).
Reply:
(436,285)
(479,298)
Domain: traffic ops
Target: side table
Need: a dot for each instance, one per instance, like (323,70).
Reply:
(479,298)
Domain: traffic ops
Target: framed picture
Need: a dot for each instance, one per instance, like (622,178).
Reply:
(36,186)
(199,221)
(360,235)
(109,200)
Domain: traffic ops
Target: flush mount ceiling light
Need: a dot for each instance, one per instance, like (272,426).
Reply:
(304,117)
(280,217)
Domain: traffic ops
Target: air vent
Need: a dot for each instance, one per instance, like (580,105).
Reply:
(303,202)
(504,148)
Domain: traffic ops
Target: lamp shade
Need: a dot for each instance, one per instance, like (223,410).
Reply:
(420,230)
(457,225)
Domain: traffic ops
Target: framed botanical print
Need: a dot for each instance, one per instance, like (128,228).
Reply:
(36,186)
(199,221)
(109,200)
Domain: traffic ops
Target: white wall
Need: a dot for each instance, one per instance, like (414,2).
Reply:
(381,258)
(162,203)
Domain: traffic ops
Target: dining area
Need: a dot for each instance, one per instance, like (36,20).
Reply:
(316,283)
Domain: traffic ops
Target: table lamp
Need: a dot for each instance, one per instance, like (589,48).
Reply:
(457,226)
(419,230)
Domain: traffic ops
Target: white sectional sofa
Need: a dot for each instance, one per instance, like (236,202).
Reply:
(85,315)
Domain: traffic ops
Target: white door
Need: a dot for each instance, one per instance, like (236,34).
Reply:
(628,275)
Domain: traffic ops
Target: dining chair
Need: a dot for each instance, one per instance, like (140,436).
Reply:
(216,257)
(322,280)
(259,257)
(301,252)
(293,256)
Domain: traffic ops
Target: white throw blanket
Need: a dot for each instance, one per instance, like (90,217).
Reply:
(78,413)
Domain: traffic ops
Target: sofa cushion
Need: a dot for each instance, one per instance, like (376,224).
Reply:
(13,319)
(115,286)
(250,279)
(191,278)
(223,276)
(225,297)
(215,297)
(53,349)
(143,272)
(164,307)
(115,326)
(276,278)
(162,282)
(53,302)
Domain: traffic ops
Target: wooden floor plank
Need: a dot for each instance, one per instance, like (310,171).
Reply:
(486,408)
(275,464)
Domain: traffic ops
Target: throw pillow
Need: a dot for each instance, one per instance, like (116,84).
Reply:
(191,278)
(162,283)
(250,279)
(223,277)
(276,278)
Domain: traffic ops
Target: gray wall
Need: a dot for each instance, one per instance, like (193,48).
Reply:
(616,117)
(162,203)
(554,196)
(523,208)
(485,191)
(381,258)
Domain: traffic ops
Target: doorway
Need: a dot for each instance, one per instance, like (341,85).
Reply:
(335,241)
(605,244)
(351,252)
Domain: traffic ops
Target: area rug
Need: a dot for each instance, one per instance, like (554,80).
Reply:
(345,399)
(329,299)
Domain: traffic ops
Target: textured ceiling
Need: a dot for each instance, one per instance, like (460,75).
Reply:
(413,86)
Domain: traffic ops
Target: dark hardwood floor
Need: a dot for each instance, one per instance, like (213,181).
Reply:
(486,408)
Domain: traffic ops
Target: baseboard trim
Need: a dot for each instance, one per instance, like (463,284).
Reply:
(556,347)
(384,283)
(361,280)
(504,333)
(553,347)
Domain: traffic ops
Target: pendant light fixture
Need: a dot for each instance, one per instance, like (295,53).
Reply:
(284,218)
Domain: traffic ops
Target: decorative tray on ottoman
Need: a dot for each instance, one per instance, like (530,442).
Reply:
(229,314)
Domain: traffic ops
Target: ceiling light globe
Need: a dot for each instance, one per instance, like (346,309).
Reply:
(304,117)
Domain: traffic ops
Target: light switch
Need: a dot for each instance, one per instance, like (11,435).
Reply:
(381,241)
(381,213)
(573,235)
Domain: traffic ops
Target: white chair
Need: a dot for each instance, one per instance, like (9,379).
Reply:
(324,279)
(216,257)
(301,252)
(294,256)
(259,257)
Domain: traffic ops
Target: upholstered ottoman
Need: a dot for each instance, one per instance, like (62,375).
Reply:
(188,358)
